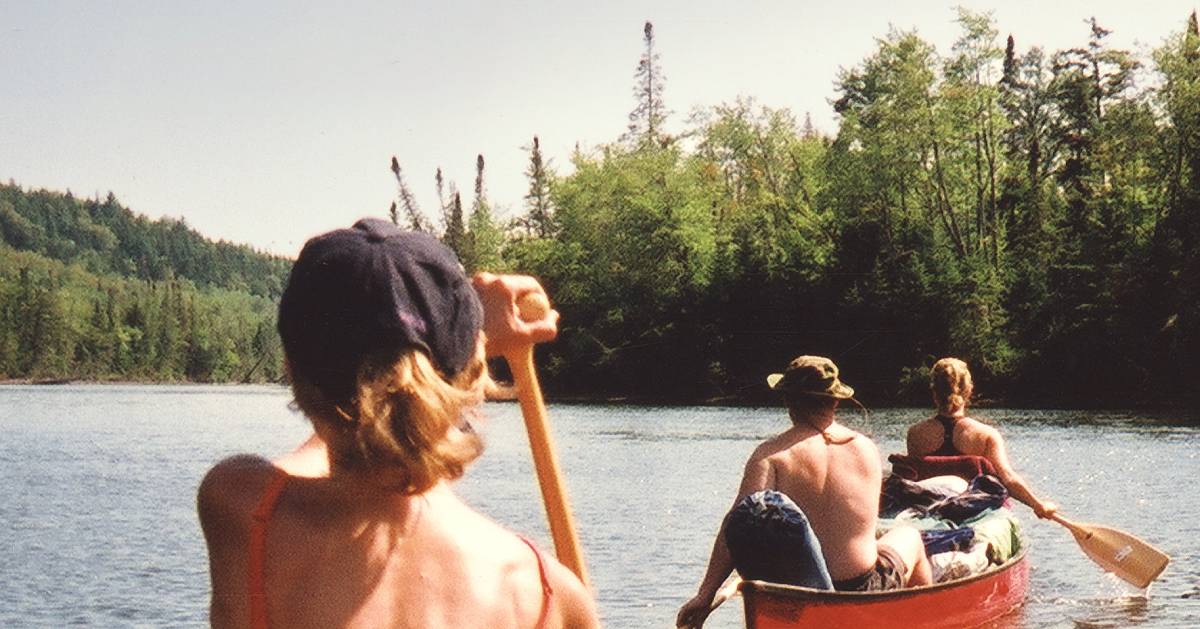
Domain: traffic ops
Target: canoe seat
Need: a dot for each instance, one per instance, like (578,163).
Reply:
(916,468)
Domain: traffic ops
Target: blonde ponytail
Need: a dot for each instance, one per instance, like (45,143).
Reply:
(405,429)
(950,381)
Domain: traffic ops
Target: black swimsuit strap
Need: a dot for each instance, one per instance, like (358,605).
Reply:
(947,448)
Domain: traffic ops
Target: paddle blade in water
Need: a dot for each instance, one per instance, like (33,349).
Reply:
(1120,553)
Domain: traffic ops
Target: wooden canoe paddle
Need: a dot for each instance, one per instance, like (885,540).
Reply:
(1118,552)
(533,307)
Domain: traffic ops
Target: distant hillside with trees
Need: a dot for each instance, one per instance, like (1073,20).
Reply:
(105,237)
(90,290)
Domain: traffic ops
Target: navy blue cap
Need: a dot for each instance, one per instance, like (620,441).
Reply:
(372,291)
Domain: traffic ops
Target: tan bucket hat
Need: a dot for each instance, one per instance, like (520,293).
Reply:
(815,375)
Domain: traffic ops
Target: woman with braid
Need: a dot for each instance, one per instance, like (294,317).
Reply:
(950,432)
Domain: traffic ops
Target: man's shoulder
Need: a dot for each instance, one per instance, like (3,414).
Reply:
(860,447)
(791,445)
(776,445)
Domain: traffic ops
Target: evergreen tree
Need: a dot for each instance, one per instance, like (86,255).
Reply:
(809,132)
(42,334)
(1172,272)
(1026,98)
(647,118)
(412,212)
(484,238)
(443,209)
(539,219)
(479,193)
(455,235)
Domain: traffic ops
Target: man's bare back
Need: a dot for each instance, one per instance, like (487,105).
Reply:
(836,484)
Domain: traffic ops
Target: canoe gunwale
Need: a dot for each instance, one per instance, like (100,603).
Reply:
(802,593)
(972,601)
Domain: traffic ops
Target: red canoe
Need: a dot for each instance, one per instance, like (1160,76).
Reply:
(969,602)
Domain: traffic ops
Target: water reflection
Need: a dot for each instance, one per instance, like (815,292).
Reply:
(1014,620)
(647,436)
(1139,421)
(1112,613)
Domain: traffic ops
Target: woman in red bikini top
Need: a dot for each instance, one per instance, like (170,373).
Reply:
(385,340)
(951,432)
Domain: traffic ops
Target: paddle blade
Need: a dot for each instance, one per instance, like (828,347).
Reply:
(1120,553)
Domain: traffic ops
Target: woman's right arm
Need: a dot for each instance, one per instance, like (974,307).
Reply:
(995,451)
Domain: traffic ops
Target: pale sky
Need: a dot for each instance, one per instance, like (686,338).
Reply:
(269,122)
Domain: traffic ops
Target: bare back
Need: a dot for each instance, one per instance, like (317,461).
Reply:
(842,507)
(969,437)
(337,556)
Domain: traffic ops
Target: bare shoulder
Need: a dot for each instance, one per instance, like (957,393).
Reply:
(231,489)
(867,452)
(921,428)
(922,438)
(575,603)
(771,446)
(490,543)
(981,428)
(865,444)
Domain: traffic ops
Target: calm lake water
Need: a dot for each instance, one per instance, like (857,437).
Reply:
(97,490)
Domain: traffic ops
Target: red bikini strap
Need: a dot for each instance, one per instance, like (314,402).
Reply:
(257,557)
(547,591)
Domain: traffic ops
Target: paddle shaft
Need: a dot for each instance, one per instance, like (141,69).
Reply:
(545,461)
(1079,532)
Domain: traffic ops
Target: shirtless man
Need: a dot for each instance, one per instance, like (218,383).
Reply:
(833,473)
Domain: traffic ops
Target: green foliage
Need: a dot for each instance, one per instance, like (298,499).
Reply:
(63,321)
(1170,278)
(633,251)
(483,240)
(105,237)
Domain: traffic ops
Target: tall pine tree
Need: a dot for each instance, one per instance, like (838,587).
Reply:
(484,238)
(539,220)
(443,208)
(412,212)
(455,236)
(647,118)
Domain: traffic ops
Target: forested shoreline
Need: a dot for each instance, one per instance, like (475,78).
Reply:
(1034,212)
(91,291)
